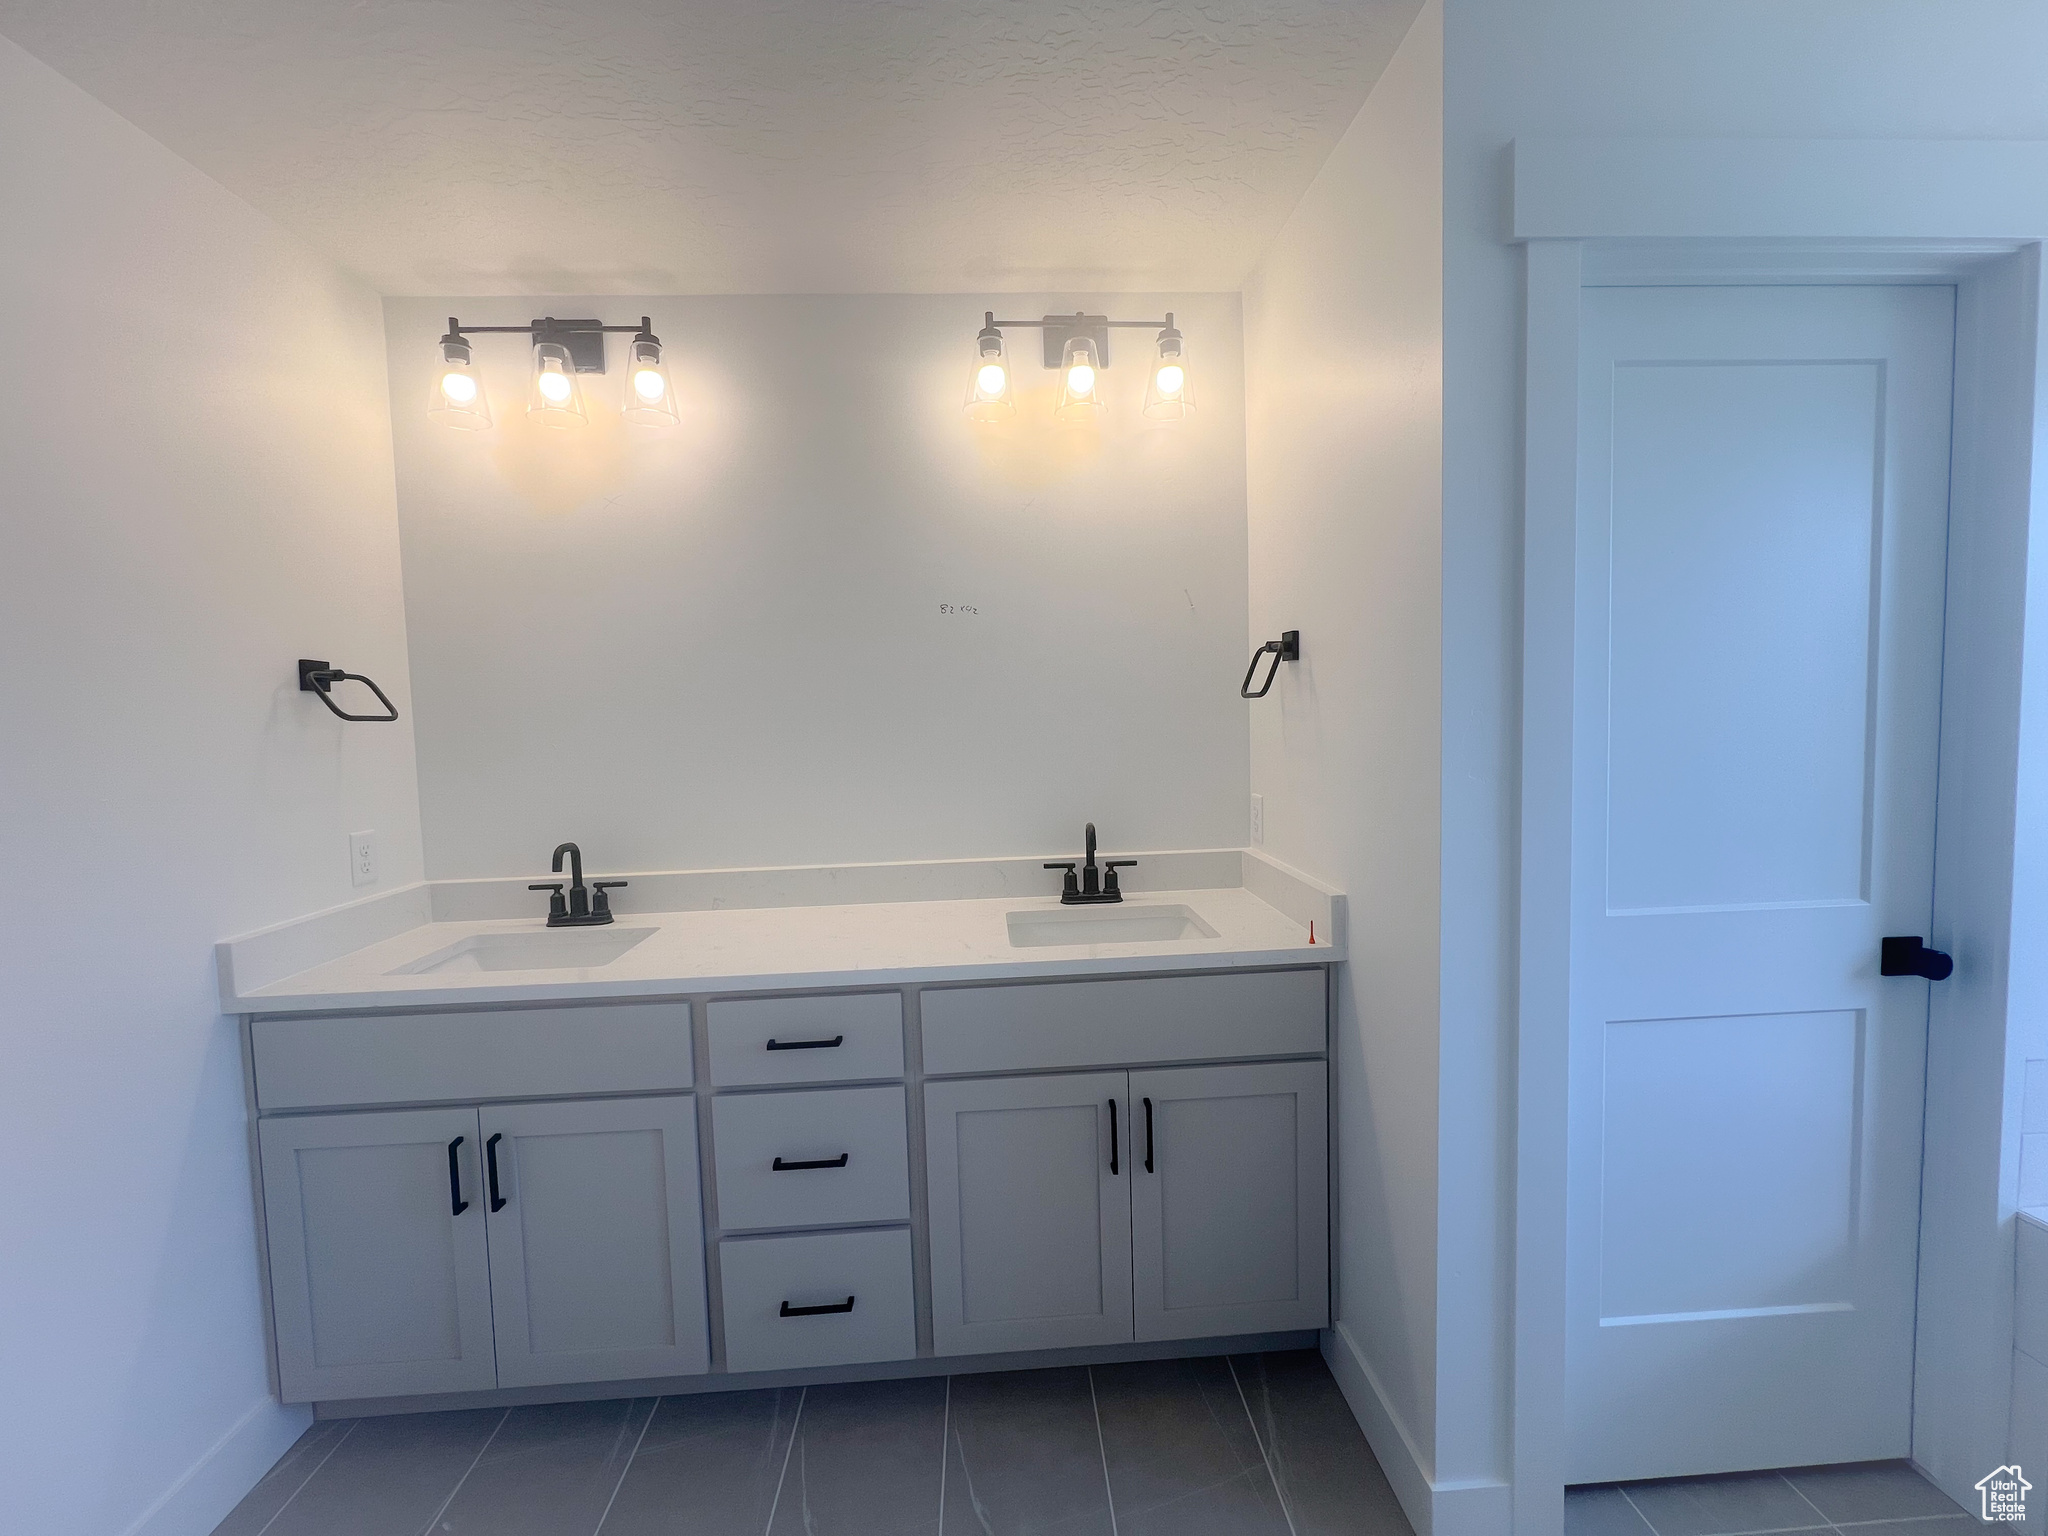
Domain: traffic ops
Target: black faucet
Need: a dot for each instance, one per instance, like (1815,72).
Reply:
(1093,886)
(586,906)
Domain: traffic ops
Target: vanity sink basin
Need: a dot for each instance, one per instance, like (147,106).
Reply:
(551,949)
(1105,925)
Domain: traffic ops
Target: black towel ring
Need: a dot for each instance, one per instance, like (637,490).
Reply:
(318,679)
(1286,648)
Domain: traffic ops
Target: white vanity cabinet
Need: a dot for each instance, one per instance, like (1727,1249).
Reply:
(1030,1212)
(466,1200)
(1108,1207)
(1229,1199)
(380,1278)
(597,1243)
(442,1250)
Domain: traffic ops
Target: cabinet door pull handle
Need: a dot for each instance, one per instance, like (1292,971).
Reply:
(806,1045)
(780,1166)
(491,1163)
(1148,1135)
(456,1204)
(837,1306)
(1114,1170)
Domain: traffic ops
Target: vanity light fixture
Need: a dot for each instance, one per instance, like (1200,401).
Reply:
(1167,394)
(988,376)
(459,400)
(650,398)
(1078,346)
(562,350)
(1080,384)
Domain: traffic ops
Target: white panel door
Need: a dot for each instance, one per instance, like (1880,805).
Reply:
(1229,1200)
(380,1282)
(597,1240)
(1762,541)
(1030,1183)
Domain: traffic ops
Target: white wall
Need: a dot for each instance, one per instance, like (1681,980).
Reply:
(1827,68)
(726,645)
(1343,332)
(198,491)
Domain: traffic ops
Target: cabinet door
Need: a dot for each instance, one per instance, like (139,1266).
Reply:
(597,1240)
(380,1280)
(1030,1181)
(1229,1200)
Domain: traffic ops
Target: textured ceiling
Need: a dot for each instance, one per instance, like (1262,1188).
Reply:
(745,146)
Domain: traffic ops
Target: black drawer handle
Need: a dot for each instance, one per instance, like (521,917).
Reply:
(491,1162)
(816,1162)
(806,1045)
(1114,1170)
(456,1204)
(837,1306)
(1148,1135)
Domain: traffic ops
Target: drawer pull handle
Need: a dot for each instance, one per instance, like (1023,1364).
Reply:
(1114,1170)
(491,1159)
(837,1306)
(806,1045)
(1148,1135)
(816,1162)
(456,1204)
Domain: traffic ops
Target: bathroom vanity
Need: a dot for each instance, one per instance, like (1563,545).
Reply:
(717,1157)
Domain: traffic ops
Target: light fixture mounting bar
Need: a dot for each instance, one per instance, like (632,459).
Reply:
(583,338)
(1060,329)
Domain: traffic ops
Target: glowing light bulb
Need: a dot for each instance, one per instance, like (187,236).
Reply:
(459,387)
(555,386)
(1080,380)
(648,384)
(1171,376)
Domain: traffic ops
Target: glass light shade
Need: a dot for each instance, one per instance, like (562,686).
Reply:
(556,397)
(1080,382)
(1169,391)
(989,396)
(458,399)
(650,397)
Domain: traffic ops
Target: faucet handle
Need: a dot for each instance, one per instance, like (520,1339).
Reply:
(1071,887)
(599,902)
(1109,869)
(556,906)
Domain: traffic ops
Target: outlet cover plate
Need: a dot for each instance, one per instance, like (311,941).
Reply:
(362,858)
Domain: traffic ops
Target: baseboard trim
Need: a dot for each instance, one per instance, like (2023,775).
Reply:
(215,1483)
(1466,1508)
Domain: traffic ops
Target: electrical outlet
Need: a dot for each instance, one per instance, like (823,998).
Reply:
(362,858)
(1258,818)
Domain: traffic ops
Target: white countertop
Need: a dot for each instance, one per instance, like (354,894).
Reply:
(769,948)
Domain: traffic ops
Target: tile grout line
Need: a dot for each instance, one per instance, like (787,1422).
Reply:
(638,1441)
(945,1448)
(309,1476)
(795,1427)
(1260,1441)
(1102,1446)
(1808,1502)
(428,1530)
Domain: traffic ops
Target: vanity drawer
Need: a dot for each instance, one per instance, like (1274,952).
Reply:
(752,1132)
(1070,1024)
(763,1275)
(790,1039)
(305,1062)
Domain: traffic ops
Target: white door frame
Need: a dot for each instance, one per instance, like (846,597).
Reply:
(1967,213)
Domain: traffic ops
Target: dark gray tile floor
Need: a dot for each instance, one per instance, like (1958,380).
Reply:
(1251,1445)
(1876,1498)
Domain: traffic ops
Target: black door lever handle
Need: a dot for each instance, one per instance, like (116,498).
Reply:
(1908,955)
